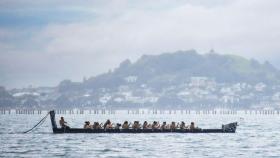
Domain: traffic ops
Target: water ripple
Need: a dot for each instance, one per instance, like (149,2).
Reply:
(256,137)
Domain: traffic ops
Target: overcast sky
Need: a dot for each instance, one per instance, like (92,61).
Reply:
(43,42)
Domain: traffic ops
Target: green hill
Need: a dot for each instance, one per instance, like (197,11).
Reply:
(175,68)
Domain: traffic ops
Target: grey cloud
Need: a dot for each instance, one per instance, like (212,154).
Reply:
(126,29)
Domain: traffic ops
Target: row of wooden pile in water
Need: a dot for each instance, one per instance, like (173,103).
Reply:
(141,112)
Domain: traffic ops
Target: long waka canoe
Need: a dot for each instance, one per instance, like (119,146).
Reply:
(228,128)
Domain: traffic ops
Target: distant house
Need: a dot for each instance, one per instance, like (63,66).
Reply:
(227,90)
(104,99)
(229,99)
(260,87)
(131,79)
(202,82)
(276,96)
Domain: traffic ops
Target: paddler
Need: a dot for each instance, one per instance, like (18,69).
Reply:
(63,123)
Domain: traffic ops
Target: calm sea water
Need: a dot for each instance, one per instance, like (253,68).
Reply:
(257,136)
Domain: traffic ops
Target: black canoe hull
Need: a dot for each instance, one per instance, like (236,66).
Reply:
(81,130)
